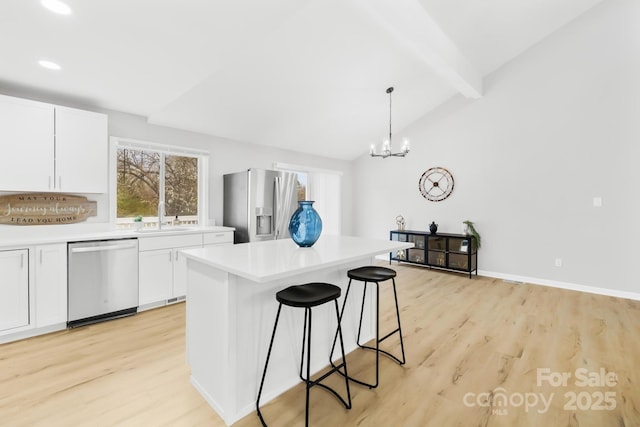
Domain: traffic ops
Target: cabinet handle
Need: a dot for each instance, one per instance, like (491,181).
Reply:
(176,255)
(40,256)
(170,257)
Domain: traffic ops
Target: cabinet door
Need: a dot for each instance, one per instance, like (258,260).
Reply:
(180,272)
(156,275)
(14,289)
(81,151)
(26,135)
(51,284)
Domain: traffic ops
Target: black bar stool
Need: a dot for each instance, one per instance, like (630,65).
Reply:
(373,274)
(309,295)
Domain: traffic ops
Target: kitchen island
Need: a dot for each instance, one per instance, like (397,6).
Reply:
(231,309)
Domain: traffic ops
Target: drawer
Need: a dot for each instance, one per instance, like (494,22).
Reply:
(217,238)
(169,242)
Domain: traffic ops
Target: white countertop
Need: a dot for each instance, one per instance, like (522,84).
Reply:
(15,236)
(276,259)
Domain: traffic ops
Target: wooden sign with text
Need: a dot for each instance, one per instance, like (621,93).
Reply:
(45,209)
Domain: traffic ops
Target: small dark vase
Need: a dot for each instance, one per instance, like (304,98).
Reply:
(305,225)
(433,228)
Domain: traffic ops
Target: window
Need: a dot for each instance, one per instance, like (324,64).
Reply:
(148,174)
(325,188)
(301,180)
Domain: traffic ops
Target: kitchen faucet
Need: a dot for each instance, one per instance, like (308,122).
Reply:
(161,214)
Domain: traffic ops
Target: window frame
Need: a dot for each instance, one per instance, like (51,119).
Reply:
(203,173)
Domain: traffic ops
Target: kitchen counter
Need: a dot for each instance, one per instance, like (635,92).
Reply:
(276,259)
(15,236)
(231,308)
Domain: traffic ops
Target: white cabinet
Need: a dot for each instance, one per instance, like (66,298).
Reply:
(180,272)
(52,148)
(50,284)
(156,276)
(219,238)
(14,289)
(26,133)
(162,268)
(81,151)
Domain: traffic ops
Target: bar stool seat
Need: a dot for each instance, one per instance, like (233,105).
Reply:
(307,296)
(373,274)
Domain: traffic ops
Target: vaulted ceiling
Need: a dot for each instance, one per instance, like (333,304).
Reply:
(305,75)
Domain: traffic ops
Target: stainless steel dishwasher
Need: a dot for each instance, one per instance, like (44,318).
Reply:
(102,280)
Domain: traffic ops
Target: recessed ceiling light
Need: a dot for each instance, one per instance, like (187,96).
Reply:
(49,65)
(57,6)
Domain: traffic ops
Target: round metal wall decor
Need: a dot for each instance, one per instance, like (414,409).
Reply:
(436,184)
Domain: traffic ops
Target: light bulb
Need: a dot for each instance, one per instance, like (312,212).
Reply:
(57,6)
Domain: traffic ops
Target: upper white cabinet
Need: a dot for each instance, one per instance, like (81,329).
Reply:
(26,138)
(81,151)
(52,148)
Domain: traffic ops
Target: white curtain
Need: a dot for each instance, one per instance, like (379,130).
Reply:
(325,188)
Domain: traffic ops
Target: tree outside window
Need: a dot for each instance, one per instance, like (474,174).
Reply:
(144,175)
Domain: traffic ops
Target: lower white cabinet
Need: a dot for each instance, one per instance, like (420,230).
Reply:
(162,273)
(163,270)
(156,275)
(14,289)
(50,284)
(180,272)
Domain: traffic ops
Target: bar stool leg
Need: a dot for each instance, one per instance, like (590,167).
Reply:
(378,340)
(398,330)
(266,364)
(304,341)
(335,337)
(395,297)
(308,382)
(344,360)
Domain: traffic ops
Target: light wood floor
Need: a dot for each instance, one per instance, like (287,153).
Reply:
(463,338)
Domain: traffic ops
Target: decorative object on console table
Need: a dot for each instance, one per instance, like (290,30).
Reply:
(45,209)
(433,227)
(400,221)
(453,252)
(305,225)
(470,229)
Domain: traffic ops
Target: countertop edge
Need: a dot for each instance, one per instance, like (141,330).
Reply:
(13,242)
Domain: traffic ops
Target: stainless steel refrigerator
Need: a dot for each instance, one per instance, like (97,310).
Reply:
(259,204)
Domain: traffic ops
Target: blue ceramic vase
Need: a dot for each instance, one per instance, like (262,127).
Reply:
(305,225)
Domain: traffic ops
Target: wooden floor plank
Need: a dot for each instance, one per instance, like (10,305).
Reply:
(463,338)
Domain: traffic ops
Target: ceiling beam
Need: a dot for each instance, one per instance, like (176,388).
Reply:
(412,26)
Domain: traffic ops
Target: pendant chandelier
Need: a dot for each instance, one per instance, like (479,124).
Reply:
(386,145)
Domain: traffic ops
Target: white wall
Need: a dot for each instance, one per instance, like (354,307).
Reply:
(556,127)
(225,156)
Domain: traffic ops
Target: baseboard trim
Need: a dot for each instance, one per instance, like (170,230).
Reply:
(562,285)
